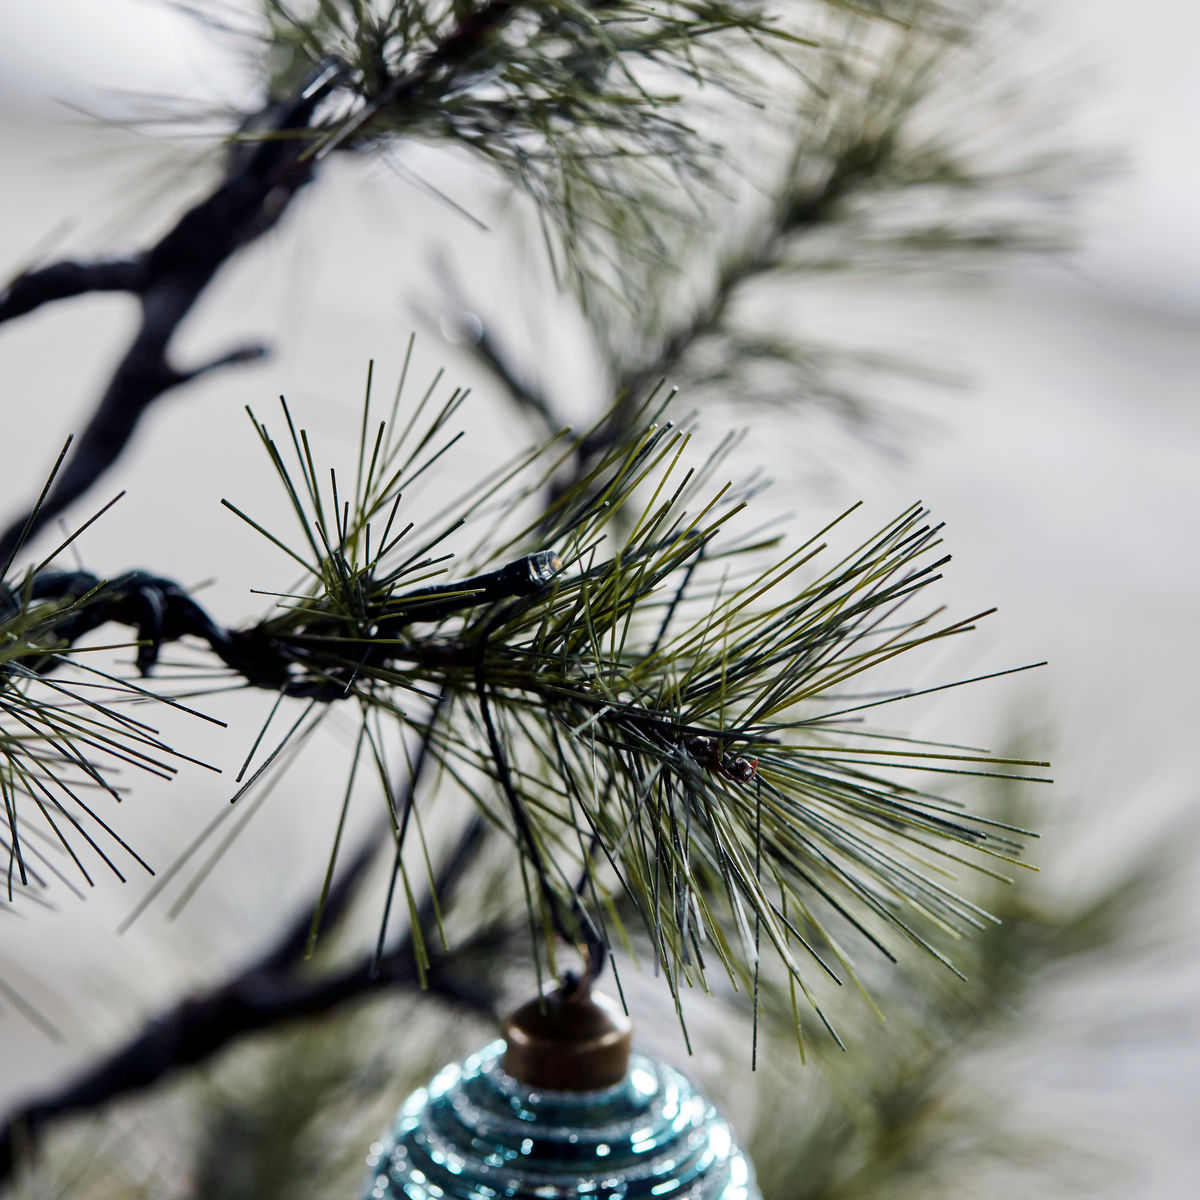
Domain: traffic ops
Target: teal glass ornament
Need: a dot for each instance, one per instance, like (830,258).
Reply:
(477,1132)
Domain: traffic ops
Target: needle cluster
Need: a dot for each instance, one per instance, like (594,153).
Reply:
(649,704)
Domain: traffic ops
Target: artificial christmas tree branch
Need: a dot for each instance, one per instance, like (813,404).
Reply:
(702,728)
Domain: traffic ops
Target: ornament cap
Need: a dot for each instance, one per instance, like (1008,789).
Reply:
(568,1042)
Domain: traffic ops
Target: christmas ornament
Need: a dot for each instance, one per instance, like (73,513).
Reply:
(560,1108)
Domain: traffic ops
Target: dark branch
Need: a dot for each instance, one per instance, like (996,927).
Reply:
(168,279)
(265,172)
(161,611)
(32,289)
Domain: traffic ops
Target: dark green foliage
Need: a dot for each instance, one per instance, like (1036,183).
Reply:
(664,714)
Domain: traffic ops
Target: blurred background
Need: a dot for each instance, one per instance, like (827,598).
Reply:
(1060,441)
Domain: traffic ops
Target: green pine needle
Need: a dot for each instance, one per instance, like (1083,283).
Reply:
(666,711)
(64,739)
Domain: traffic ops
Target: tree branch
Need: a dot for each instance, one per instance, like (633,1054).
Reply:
(168,279)
(264,175)
(161,611)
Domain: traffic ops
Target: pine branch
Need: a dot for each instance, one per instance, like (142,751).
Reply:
(558,97)
(60,740)
(875,170)
(902,1116)
(409,73)
(673,713)
(738,271)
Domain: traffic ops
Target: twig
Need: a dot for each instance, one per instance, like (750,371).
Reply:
(263,177)
(160,611)
(168,279)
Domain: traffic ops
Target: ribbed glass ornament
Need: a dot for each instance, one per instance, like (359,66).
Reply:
(476,1133)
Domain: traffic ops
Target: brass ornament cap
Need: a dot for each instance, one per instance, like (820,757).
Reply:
(568,1043)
